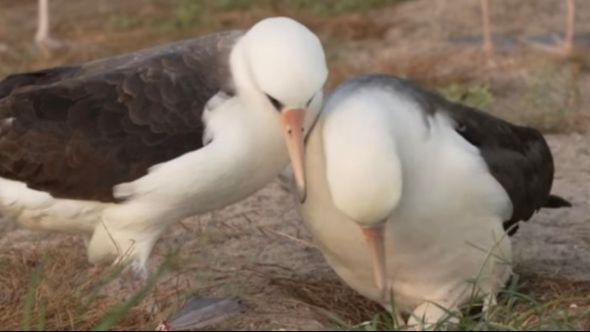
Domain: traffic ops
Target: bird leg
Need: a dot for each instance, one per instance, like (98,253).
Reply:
(42,38)
(42,21)
(488,45)
(568,44)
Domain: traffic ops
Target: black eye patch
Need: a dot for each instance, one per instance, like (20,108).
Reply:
(277,104)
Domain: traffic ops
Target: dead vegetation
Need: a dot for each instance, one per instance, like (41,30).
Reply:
(53,287)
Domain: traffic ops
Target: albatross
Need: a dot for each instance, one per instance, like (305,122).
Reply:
(120,148)
(412,198)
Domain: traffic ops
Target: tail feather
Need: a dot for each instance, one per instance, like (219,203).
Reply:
(555,202)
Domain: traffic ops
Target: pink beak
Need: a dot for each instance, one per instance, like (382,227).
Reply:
(376,245)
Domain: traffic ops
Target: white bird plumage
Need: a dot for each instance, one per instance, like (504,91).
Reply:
(246,150)
(376,157)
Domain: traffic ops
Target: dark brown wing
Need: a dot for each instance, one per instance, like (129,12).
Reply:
(518,158)
(77,131)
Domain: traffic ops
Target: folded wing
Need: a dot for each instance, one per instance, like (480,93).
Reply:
(77,131)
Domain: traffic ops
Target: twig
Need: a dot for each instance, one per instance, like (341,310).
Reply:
(289,237)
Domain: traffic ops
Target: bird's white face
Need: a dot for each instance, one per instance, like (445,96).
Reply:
(288,67)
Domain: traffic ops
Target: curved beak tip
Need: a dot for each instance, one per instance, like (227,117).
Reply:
(292,123)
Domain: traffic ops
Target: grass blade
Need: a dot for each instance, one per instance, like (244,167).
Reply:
(29,301)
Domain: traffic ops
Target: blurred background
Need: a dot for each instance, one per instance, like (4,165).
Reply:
(435,42)
(258,249)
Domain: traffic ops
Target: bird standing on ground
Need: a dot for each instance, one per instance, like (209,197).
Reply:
(567,45)
(488,45)
(120,148)
(412,196)
(43,38)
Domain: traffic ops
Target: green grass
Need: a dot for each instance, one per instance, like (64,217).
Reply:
(34,308)
(29,302)
(117,313)
(522,305)
(478,96)
(515,307)
(552,95)
(56,290)
(200,13)
(123,22)
(339,7)
(516,311)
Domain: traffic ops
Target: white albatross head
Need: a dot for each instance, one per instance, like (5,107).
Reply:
(279,66)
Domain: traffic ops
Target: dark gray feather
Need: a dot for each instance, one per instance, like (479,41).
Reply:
(198,314)
(77,131)
(518,157)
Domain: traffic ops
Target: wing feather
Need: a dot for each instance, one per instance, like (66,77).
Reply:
(77,131)
(517,157)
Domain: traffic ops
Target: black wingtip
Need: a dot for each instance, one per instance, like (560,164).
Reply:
(555,202)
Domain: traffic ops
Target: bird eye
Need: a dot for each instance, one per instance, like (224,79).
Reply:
(277,104)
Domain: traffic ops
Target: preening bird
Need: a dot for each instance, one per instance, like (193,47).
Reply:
(413,198)
(120,148)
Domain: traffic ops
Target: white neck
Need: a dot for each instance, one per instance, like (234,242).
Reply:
(247,149)
(362,165)
(246,87)
(247,152)
(250,149)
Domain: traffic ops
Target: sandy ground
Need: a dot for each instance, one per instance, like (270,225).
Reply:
(259,250)
(556,243)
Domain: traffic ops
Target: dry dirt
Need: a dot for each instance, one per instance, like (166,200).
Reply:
(258,249)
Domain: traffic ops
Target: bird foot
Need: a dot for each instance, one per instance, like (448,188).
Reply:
(47,46)
(561,49)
